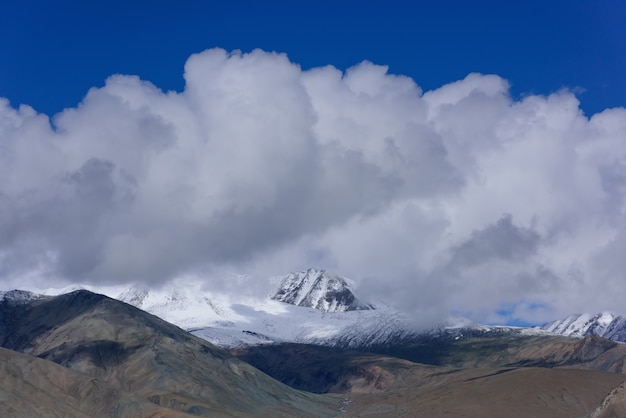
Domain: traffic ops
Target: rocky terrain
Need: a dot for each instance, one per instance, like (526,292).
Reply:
(320,290)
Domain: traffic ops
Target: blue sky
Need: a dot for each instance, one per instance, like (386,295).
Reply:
(447,156)
(53,52)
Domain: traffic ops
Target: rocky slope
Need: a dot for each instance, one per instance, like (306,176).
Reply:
(614,405)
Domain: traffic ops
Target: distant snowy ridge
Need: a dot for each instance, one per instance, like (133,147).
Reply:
(187,306)
(606,325)
(320,290)
(18,297)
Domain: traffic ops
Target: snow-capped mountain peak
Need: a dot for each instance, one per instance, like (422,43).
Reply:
(603,324)
(318,289)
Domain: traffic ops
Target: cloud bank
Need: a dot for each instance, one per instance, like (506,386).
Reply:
(458,199)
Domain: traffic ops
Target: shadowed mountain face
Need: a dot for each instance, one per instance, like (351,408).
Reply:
(134,355)
(325,369)
(475,348)
(483,375)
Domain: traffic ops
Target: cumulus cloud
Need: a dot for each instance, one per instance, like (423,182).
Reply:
(458,199)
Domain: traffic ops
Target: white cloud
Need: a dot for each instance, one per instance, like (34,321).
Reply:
(456,199)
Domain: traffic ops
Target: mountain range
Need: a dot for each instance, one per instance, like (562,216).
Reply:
(311,348)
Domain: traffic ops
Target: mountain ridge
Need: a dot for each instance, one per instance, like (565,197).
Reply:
(157,362)
(604,324)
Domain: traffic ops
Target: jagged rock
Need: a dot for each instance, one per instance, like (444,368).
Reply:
(320,290)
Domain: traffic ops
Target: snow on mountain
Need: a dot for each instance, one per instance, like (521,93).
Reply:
(335,315)
(605,324)
(228,323)
(320,290)
(279,322)
(18,297)
(184,304)
(312,307)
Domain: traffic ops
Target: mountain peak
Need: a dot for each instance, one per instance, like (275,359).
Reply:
(604,324)
(318,289)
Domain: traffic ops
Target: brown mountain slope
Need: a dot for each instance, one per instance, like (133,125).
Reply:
(140,354)
(324,369)
(512,393)
(33,387)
